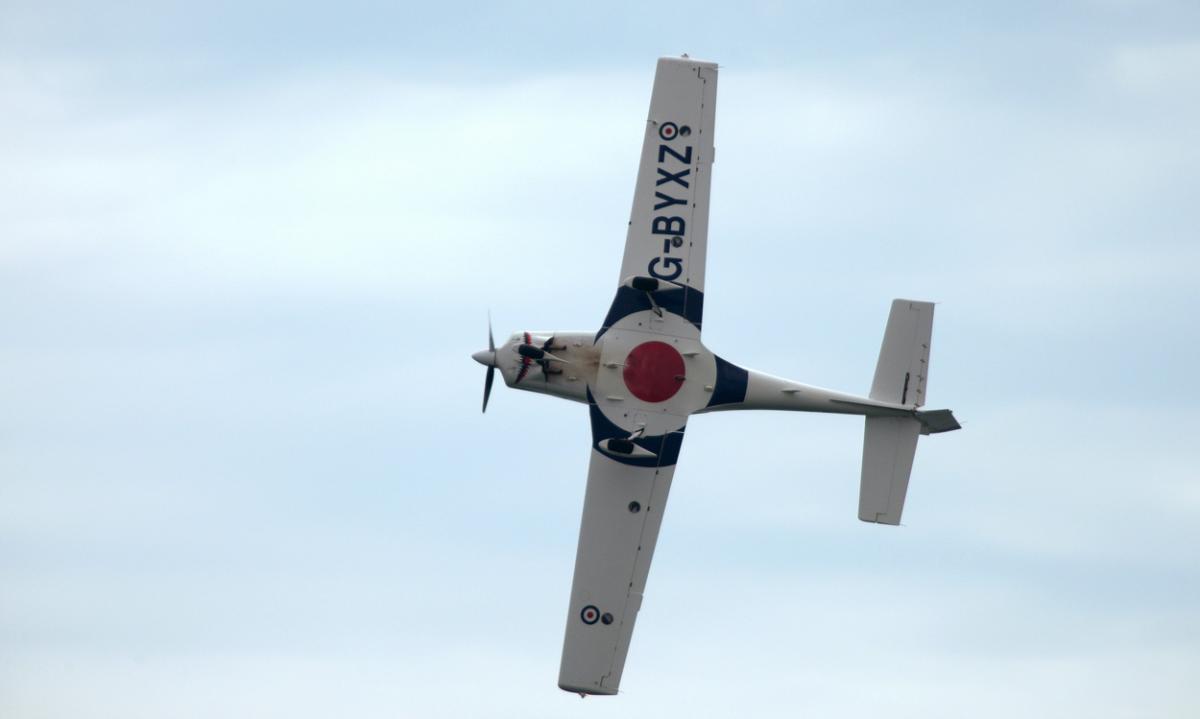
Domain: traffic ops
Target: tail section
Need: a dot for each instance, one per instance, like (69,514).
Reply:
(889,443)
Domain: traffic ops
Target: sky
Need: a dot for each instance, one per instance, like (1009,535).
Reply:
(246,251)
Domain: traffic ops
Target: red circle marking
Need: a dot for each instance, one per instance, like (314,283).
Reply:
(654,371)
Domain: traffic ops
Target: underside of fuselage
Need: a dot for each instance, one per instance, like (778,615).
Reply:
(571,364)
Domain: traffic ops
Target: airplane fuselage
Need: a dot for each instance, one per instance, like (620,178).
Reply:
(633,367)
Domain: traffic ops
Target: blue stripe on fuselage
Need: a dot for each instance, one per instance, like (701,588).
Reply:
(730,387)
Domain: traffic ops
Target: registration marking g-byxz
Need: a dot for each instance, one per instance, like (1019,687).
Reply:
(672,177)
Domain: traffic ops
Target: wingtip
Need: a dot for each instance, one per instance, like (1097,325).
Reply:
(586,692)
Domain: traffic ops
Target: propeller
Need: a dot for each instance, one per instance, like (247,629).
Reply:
(488,359)
(491,372)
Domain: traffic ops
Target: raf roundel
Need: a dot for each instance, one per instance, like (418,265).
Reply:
(590,614)
(654,371)
(668,131)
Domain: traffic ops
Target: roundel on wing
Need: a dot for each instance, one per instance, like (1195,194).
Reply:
(654,371)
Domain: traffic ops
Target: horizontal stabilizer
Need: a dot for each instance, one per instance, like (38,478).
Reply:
(889,444)
(937,420)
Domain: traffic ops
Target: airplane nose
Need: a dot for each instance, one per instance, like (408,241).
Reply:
(487,358)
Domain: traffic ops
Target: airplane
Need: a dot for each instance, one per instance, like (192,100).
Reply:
(646,371)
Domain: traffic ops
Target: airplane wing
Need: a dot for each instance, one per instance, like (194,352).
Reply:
(668,227)
(622,512)
(651,373)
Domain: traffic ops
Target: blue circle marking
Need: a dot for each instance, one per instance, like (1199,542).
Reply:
(590,614)
(668,131)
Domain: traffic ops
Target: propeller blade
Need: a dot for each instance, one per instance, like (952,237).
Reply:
(487,386)
(491,342)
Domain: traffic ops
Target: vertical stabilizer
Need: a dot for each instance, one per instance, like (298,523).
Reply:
(903,367)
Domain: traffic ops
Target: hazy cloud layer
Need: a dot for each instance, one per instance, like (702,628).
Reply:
(245,253)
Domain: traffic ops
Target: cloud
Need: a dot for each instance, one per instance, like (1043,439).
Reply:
(243,436)
(1164,68)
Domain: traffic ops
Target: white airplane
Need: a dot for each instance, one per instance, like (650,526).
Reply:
(646,371)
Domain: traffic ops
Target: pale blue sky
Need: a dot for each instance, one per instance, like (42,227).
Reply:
(247,249)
